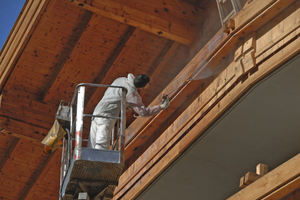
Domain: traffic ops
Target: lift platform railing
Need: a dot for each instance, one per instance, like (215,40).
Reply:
(72,121)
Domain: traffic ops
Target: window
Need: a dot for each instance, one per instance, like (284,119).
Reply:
(228,8)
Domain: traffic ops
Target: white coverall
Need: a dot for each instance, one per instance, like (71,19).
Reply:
(110,105)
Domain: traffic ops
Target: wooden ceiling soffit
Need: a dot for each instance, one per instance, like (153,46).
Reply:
(12,154)
(25,118)
(162,61)
(136,18)
(167,55)
(102,79)
(206,60)
(53,86)
(40,175)
(214,101)
(9,154)
(18,38)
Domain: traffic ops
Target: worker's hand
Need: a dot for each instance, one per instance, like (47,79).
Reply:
(165,103)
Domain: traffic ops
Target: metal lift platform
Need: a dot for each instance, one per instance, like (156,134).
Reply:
(92,172)
(98,170)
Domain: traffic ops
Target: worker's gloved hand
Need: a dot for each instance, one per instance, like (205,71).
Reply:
(165,103)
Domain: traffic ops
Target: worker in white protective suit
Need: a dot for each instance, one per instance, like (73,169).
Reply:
(110,105)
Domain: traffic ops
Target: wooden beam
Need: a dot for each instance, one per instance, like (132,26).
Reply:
(9,154)
(10,157)
(33,121)
(284,190)
(137,18)
(41,173)
(22,130)
(68,55)
(22,30)
(251,10)
(29,111)
(259,13)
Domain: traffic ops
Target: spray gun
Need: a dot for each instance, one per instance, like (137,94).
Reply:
(164,97)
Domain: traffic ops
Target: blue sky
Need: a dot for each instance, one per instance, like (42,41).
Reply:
(9,12)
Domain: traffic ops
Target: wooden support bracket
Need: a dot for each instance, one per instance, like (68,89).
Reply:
(248,52)
(261,169)
(249,61)
(250,177)
(228,26)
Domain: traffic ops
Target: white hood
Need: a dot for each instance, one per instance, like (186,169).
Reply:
(130,78)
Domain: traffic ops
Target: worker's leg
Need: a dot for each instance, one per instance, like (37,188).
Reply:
(103,135)
(101,128)
(100,133)
(92,136)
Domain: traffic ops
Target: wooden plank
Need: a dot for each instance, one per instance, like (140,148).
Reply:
(259,15)
(14,29)
(139,19)
(27,113)
(22,130)
(250,11)
(22,101)
(68,55)
(285,40)
(20,38)
(172,10)
(277,32)
(285,190)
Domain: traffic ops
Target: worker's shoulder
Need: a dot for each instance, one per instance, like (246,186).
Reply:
(119,81)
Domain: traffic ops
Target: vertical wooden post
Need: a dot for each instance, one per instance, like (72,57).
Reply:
(261,169)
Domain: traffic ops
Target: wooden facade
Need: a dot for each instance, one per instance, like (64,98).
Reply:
(181,45)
